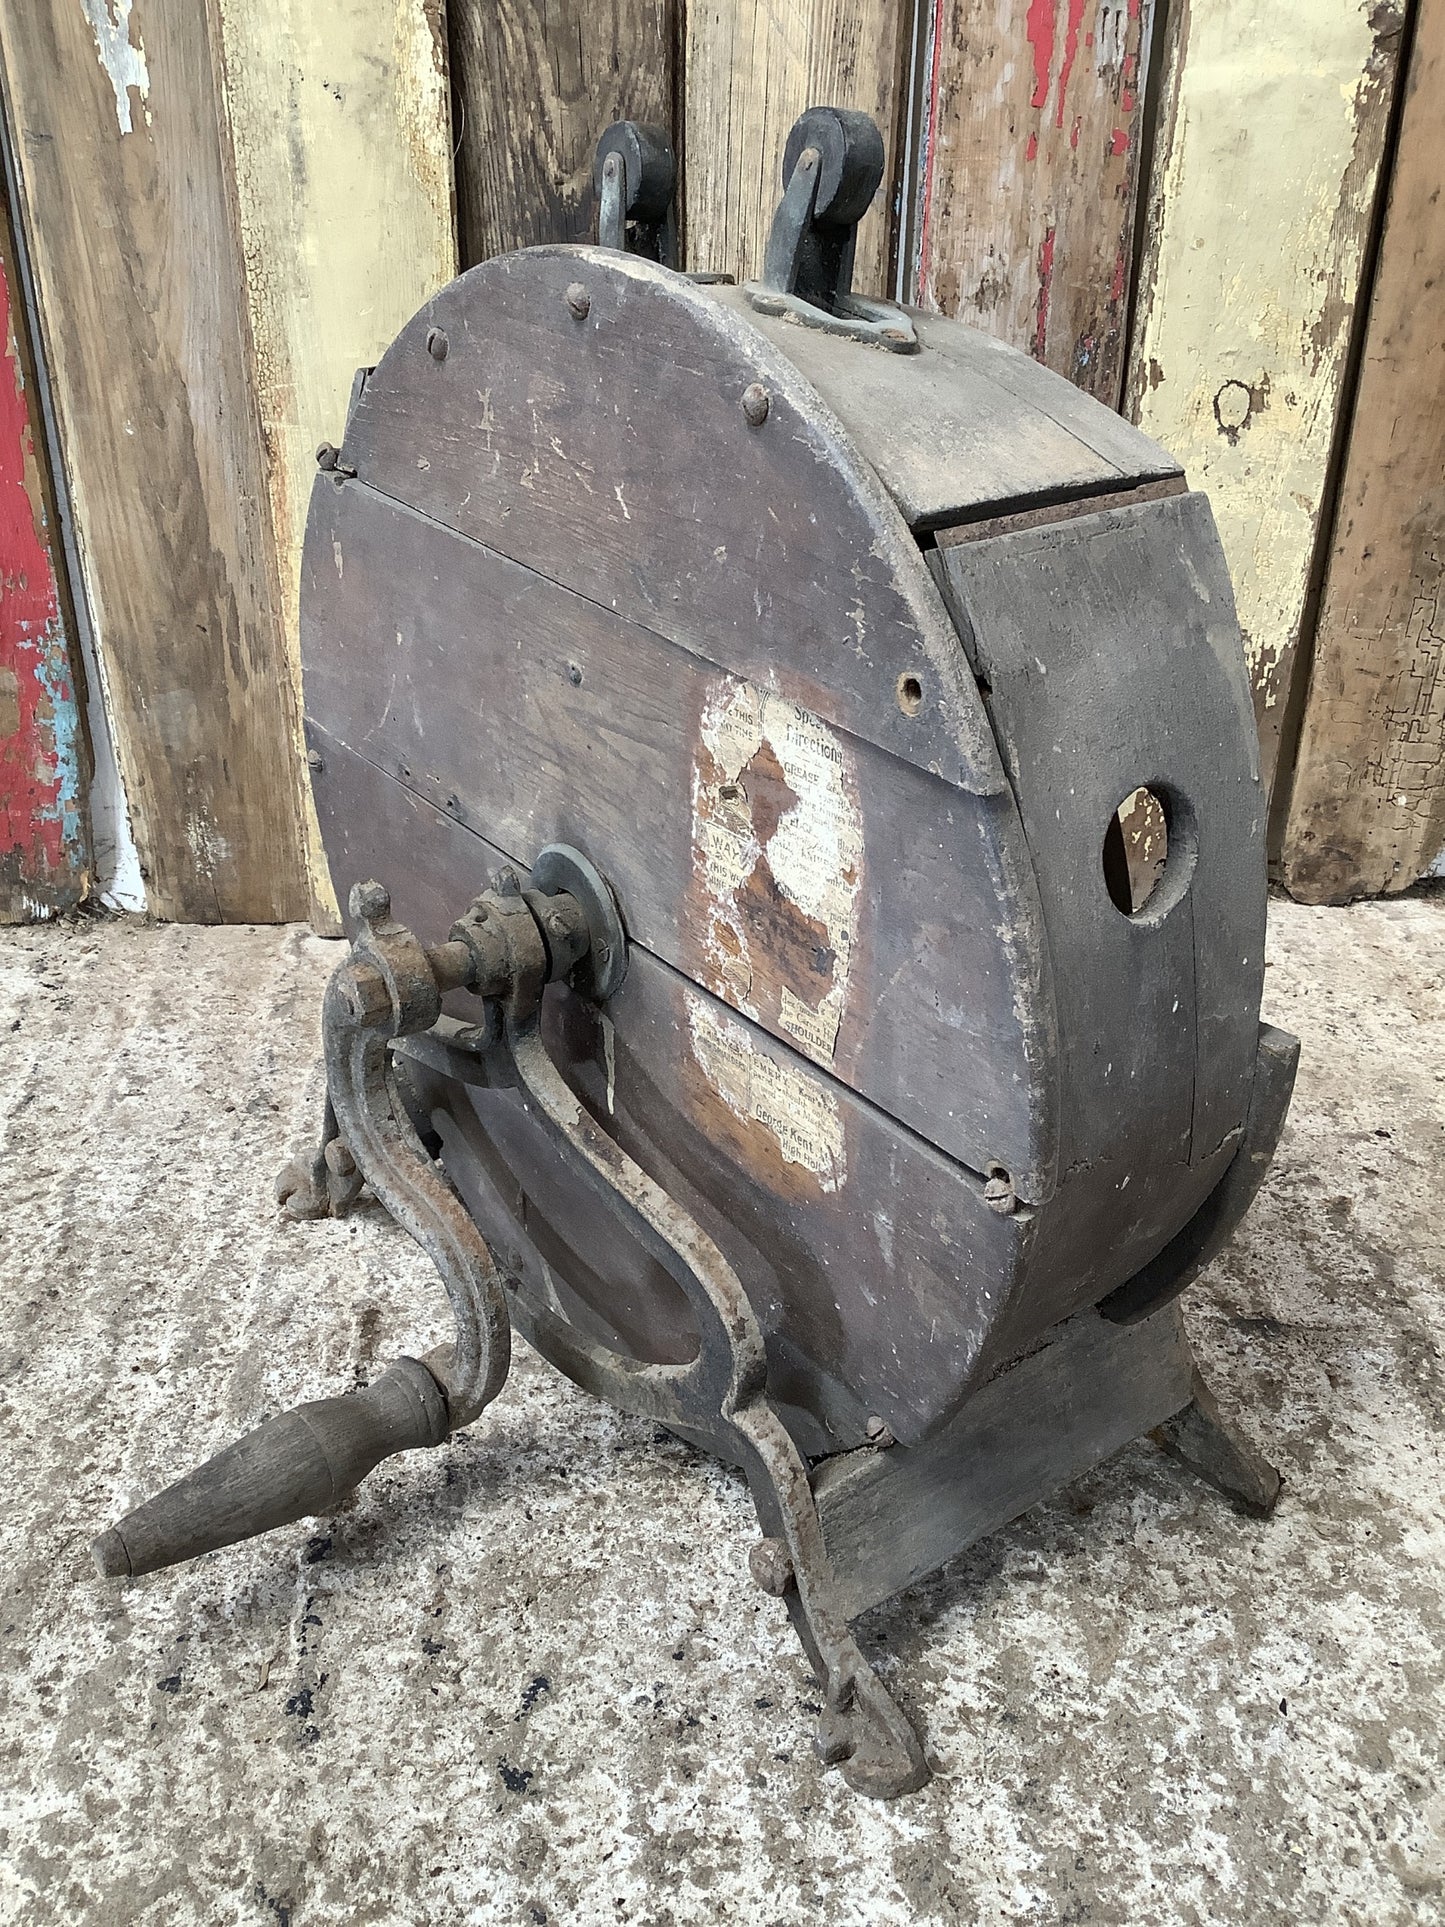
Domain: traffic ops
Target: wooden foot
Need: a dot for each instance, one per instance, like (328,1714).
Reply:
(1203,1439)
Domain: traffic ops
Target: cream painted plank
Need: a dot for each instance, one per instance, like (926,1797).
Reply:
(1367,810)
(1028,175)
(1271,129)
(341,142)
(752,66)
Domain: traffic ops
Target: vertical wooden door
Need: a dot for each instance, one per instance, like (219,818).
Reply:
(752,66)
(1031,126)
(1367,809)
(536,86)
(1272,123)
(124,171)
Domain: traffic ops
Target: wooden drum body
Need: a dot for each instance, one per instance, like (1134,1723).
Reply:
(842,701)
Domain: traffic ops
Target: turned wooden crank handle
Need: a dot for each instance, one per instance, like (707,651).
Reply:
(299,1463)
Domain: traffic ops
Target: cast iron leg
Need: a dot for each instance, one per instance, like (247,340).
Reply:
(722,1395)
(1204,1440)
(325,1185)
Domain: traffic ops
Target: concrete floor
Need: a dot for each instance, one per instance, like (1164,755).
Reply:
(526,1679)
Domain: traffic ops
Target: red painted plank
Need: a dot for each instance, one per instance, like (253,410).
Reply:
(44,841)
(1028,175)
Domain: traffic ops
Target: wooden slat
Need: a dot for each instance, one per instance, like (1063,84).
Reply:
(1367,812)
(1028,175)
(889,1518)
(340,133)
(143,309)
(969,425)
(1271,128)
(531,759)
(536,84)
(751,69)
(44,828)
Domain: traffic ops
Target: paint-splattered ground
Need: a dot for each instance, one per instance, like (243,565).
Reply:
(526,1679)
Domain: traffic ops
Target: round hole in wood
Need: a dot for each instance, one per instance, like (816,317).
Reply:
(910,694)
(1136,850)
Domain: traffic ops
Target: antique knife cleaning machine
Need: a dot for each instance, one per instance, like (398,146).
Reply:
(771,1012)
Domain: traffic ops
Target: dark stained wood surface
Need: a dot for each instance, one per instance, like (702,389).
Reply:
(572,594)
(891,1517)
(968,423)
(533,716)
(536,84)
(612,454)
(129,212)
(1112,657)
(873,1262)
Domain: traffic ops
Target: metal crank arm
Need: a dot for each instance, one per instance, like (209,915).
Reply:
(721,1395)
(304,1461)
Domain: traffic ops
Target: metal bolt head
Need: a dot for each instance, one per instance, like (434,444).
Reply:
(557,924)
(507,883)
(579,301)
(574,674)
(369,902)
(756,402)
(436,343)
(313,759)
(771,1565)
(367,994)
(879,1434)
(327,455)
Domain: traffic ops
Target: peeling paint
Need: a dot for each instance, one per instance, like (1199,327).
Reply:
(44,845)
(1271,135)
(124,60)
(778,849)
(1028,177)
(797,1111)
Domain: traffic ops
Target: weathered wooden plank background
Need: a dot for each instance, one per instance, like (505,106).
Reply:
(536,85)
(752,66)
(127,204)
(1032,121)
(1367,811)
(44,832)
(339,131)
(1272,123)
(231,206)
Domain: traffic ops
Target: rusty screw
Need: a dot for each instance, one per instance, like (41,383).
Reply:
(879,1434)
(327,456)
(771,1565)
(557,924)
(756,402)
(313,759)
(579,301)
(999,1193)
(436,343)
